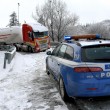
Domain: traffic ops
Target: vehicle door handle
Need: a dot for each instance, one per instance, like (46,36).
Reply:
(58,64)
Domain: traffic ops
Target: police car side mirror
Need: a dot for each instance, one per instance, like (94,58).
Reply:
(49,53)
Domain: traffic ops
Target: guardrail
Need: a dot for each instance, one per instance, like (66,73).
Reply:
(53,44)
(11,51)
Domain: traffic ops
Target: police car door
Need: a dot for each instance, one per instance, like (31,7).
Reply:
(58,60)
(53,57)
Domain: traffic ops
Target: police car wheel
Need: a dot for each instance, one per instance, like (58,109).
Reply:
(62,90)
(47,70)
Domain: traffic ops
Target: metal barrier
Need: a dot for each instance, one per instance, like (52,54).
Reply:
(9,55)
(53,44)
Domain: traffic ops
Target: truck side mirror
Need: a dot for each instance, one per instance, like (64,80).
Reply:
(30,34)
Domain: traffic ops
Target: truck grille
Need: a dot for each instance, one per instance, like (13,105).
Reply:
(43,41)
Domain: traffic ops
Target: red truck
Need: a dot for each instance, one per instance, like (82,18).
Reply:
(27,37)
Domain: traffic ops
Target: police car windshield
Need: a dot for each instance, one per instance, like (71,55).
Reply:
(97,53)
(40,34)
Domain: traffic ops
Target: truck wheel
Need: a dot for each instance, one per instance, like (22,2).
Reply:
(30,49)
(62,90)
(17,49)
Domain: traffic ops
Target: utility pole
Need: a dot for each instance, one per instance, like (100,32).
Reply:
(51,17)
(18,12)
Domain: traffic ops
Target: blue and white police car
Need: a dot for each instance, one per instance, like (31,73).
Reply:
(81,66)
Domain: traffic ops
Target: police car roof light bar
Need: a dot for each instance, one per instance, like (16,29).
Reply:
(77,37)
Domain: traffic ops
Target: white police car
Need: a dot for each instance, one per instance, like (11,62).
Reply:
(82,67)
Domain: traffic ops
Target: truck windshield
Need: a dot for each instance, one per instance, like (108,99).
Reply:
(99,53)
(40,34)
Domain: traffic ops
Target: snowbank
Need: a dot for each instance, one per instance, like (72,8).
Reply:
(24,84)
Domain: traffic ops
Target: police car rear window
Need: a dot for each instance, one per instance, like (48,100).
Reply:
(97,53)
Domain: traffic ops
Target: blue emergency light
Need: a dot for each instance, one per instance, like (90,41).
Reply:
(98,36)
(67,37)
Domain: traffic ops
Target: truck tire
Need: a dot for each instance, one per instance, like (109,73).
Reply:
(30,49)
(62,90)
(16,48)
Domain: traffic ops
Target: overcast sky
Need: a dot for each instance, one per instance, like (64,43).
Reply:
(89,11)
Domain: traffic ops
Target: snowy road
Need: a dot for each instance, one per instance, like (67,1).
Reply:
(24,85)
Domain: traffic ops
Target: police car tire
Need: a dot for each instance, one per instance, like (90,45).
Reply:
(47,70)
(62,90)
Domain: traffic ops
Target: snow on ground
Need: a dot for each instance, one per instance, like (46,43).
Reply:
(24,84)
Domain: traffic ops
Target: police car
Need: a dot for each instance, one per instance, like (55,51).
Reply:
(81,66)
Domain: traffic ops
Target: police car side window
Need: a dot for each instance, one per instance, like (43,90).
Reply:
(55,51)
(69,53)
(62,51)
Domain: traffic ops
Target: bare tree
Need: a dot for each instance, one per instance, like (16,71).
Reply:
(98,28)
(55,16)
